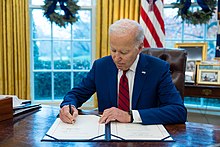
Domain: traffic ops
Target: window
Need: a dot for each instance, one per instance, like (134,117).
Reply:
(178,31)
(60,56)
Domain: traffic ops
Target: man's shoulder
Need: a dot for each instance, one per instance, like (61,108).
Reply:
(104,59)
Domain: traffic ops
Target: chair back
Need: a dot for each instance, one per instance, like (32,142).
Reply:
(177,60)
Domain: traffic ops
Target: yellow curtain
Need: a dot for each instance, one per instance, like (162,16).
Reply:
(107,12)
(15,48)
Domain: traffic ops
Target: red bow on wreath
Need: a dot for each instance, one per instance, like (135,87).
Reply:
(52,8)
(69,7)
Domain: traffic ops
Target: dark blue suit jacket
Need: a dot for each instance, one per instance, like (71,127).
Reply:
(154,94)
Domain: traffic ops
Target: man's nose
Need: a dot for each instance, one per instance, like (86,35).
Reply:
(117,56)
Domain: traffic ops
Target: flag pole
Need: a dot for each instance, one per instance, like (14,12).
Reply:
(217,52)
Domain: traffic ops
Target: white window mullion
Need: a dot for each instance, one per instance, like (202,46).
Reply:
(71,58)
(52,64)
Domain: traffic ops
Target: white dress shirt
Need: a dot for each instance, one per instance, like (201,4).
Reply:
(130,75)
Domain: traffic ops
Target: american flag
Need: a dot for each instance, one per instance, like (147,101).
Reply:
(151,19)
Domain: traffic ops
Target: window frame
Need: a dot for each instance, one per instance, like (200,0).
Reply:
(91,8)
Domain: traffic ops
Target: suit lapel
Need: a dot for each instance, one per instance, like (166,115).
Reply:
(140,75)
(113,85)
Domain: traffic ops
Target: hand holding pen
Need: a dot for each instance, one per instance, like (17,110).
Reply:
(68,113)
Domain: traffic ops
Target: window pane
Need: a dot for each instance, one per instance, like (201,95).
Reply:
(211,50)
(82,28)
(62,54)
(80,2)
(85,2)
(42,54)
(173,27)
(42,86)
(193,32)
(41,26)
(81,55)
(78,76)
(62,84)
(37,2)
(61,32)
(169,1)
(212,28)
(174,1)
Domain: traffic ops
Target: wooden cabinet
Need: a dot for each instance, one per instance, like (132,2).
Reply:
(207,91)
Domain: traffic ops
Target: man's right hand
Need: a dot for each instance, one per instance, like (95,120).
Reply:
(65,115)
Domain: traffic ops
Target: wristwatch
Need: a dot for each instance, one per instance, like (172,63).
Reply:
(130,113)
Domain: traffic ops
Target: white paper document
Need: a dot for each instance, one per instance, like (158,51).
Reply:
(87,128)
(131,131)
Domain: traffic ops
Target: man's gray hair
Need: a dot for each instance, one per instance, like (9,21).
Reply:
(127,26)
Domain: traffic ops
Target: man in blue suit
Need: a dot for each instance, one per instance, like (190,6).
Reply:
(153,98)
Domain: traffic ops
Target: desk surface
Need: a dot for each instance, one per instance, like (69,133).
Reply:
(28,130)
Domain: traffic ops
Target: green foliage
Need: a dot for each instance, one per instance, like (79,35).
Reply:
(63,64)
(59,19)
(42,80)
(198,16)
(42,83)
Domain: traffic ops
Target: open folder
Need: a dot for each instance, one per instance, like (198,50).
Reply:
(87,128)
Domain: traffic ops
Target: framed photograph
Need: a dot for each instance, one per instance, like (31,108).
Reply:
(190,72)
(208,74)
(195,51)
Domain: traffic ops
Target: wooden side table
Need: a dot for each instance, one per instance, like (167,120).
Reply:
(206,91)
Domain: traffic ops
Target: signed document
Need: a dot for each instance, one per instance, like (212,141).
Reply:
(87,128)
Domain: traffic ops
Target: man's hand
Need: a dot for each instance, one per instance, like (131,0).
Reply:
(115,114)
(65,115)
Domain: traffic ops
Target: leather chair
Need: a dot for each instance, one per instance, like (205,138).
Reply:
(177,60)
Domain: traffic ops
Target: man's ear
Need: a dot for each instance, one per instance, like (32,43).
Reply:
(141,46)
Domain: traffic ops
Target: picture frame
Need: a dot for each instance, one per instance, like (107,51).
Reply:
(195,51)
(190,72)
(208,74)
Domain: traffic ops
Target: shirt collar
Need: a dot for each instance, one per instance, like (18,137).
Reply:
(134,65)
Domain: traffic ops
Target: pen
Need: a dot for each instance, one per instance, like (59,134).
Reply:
(70,109)
(71,112)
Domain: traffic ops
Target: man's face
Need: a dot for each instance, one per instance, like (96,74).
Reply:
(123,51)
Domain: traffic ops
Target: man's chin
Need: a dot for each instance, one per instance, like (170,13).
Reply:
(121,67)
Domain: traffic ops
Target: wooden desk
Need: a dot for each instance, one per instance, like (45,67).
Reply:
(206,91)
(28,130)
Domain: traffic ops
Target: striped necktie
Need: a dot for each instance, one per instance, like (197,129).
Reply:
(123,98)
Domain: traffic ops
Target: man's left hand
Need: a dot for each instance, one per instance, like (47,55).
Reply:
(115,114)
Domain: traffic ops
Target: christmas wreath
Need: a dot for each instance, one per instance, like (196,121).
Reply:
(69,7)
(196,17)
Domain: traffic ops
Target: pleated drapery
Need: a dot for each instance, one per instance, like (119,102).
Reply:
(15,48)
